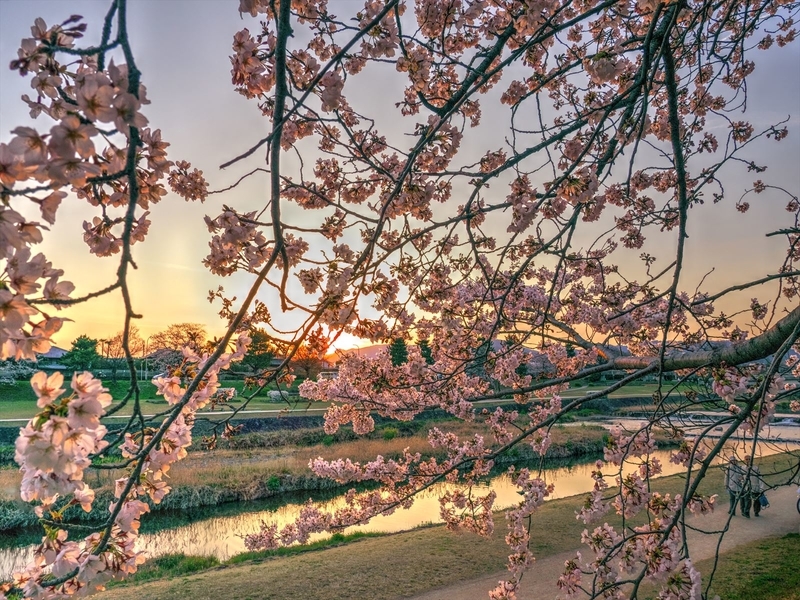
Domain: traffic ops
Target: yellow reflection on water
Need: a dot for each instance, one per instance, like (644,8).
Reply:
(223,536)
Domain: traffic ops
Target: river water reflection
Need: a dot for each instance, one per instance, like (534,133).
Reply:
(219,531)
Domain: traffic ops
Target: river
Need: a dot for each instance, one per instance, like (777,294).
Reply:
(219,531)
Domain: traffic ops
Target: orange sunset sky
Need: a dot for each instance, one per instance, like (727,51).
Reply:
(182,49)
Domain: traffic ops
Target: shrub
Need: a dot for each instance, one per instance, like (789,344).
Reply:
(169,566)
(11,371)
(407,428)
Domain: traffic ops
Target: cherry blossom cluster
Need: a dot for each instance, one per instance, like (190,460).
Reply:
(365,385)
(359,507)
(793,363)
(463,510)
(761,417)
(239,243)
(57,446)
(653,549)
(727,384)
(97,115)
(54,450)
(534,491)
(188,184)
(620,447)
(595,506)
(688,452)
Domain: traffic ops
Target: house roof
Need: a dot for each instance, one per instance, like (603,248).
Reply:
(367,352)
(54,352)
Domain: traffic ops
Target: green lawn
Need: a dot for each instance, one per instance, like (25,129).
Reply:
(19,402)
(638,389)
(767,569)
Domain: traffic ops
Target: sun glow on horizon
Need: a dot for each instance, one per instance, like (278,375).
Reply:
(171,284)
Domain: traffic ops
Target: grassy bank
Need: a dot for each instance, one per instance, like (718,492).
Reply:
(766,569)
(177,565)
(420,560)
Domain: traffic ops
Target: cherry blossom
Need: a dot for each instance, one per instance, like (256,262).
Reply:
(510,269)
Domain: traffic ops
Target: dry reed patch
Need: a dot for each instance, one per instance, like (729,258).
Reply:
(236,469)
(9,477)
(241,467)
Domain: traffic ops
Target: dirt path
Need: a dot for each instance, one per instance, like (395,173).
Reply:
(539,583)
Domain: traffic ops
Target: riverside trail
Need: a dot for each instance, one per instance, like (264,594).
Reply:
(539,582)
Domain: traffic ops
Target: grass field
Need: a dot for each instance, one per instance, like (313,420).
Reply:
(766,569)
(19,402)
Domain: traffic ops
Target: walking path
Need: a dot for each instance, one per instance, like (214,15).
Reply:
(539,582)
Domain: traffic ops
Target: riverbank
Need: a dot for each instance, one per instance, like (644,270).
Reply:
(268,464)
(426,559)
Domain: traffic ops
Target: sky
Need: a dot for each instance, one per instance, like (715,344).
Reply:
(182,49)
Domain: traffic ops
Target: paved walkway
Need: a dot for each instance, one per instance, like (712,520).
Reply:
(539,582)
